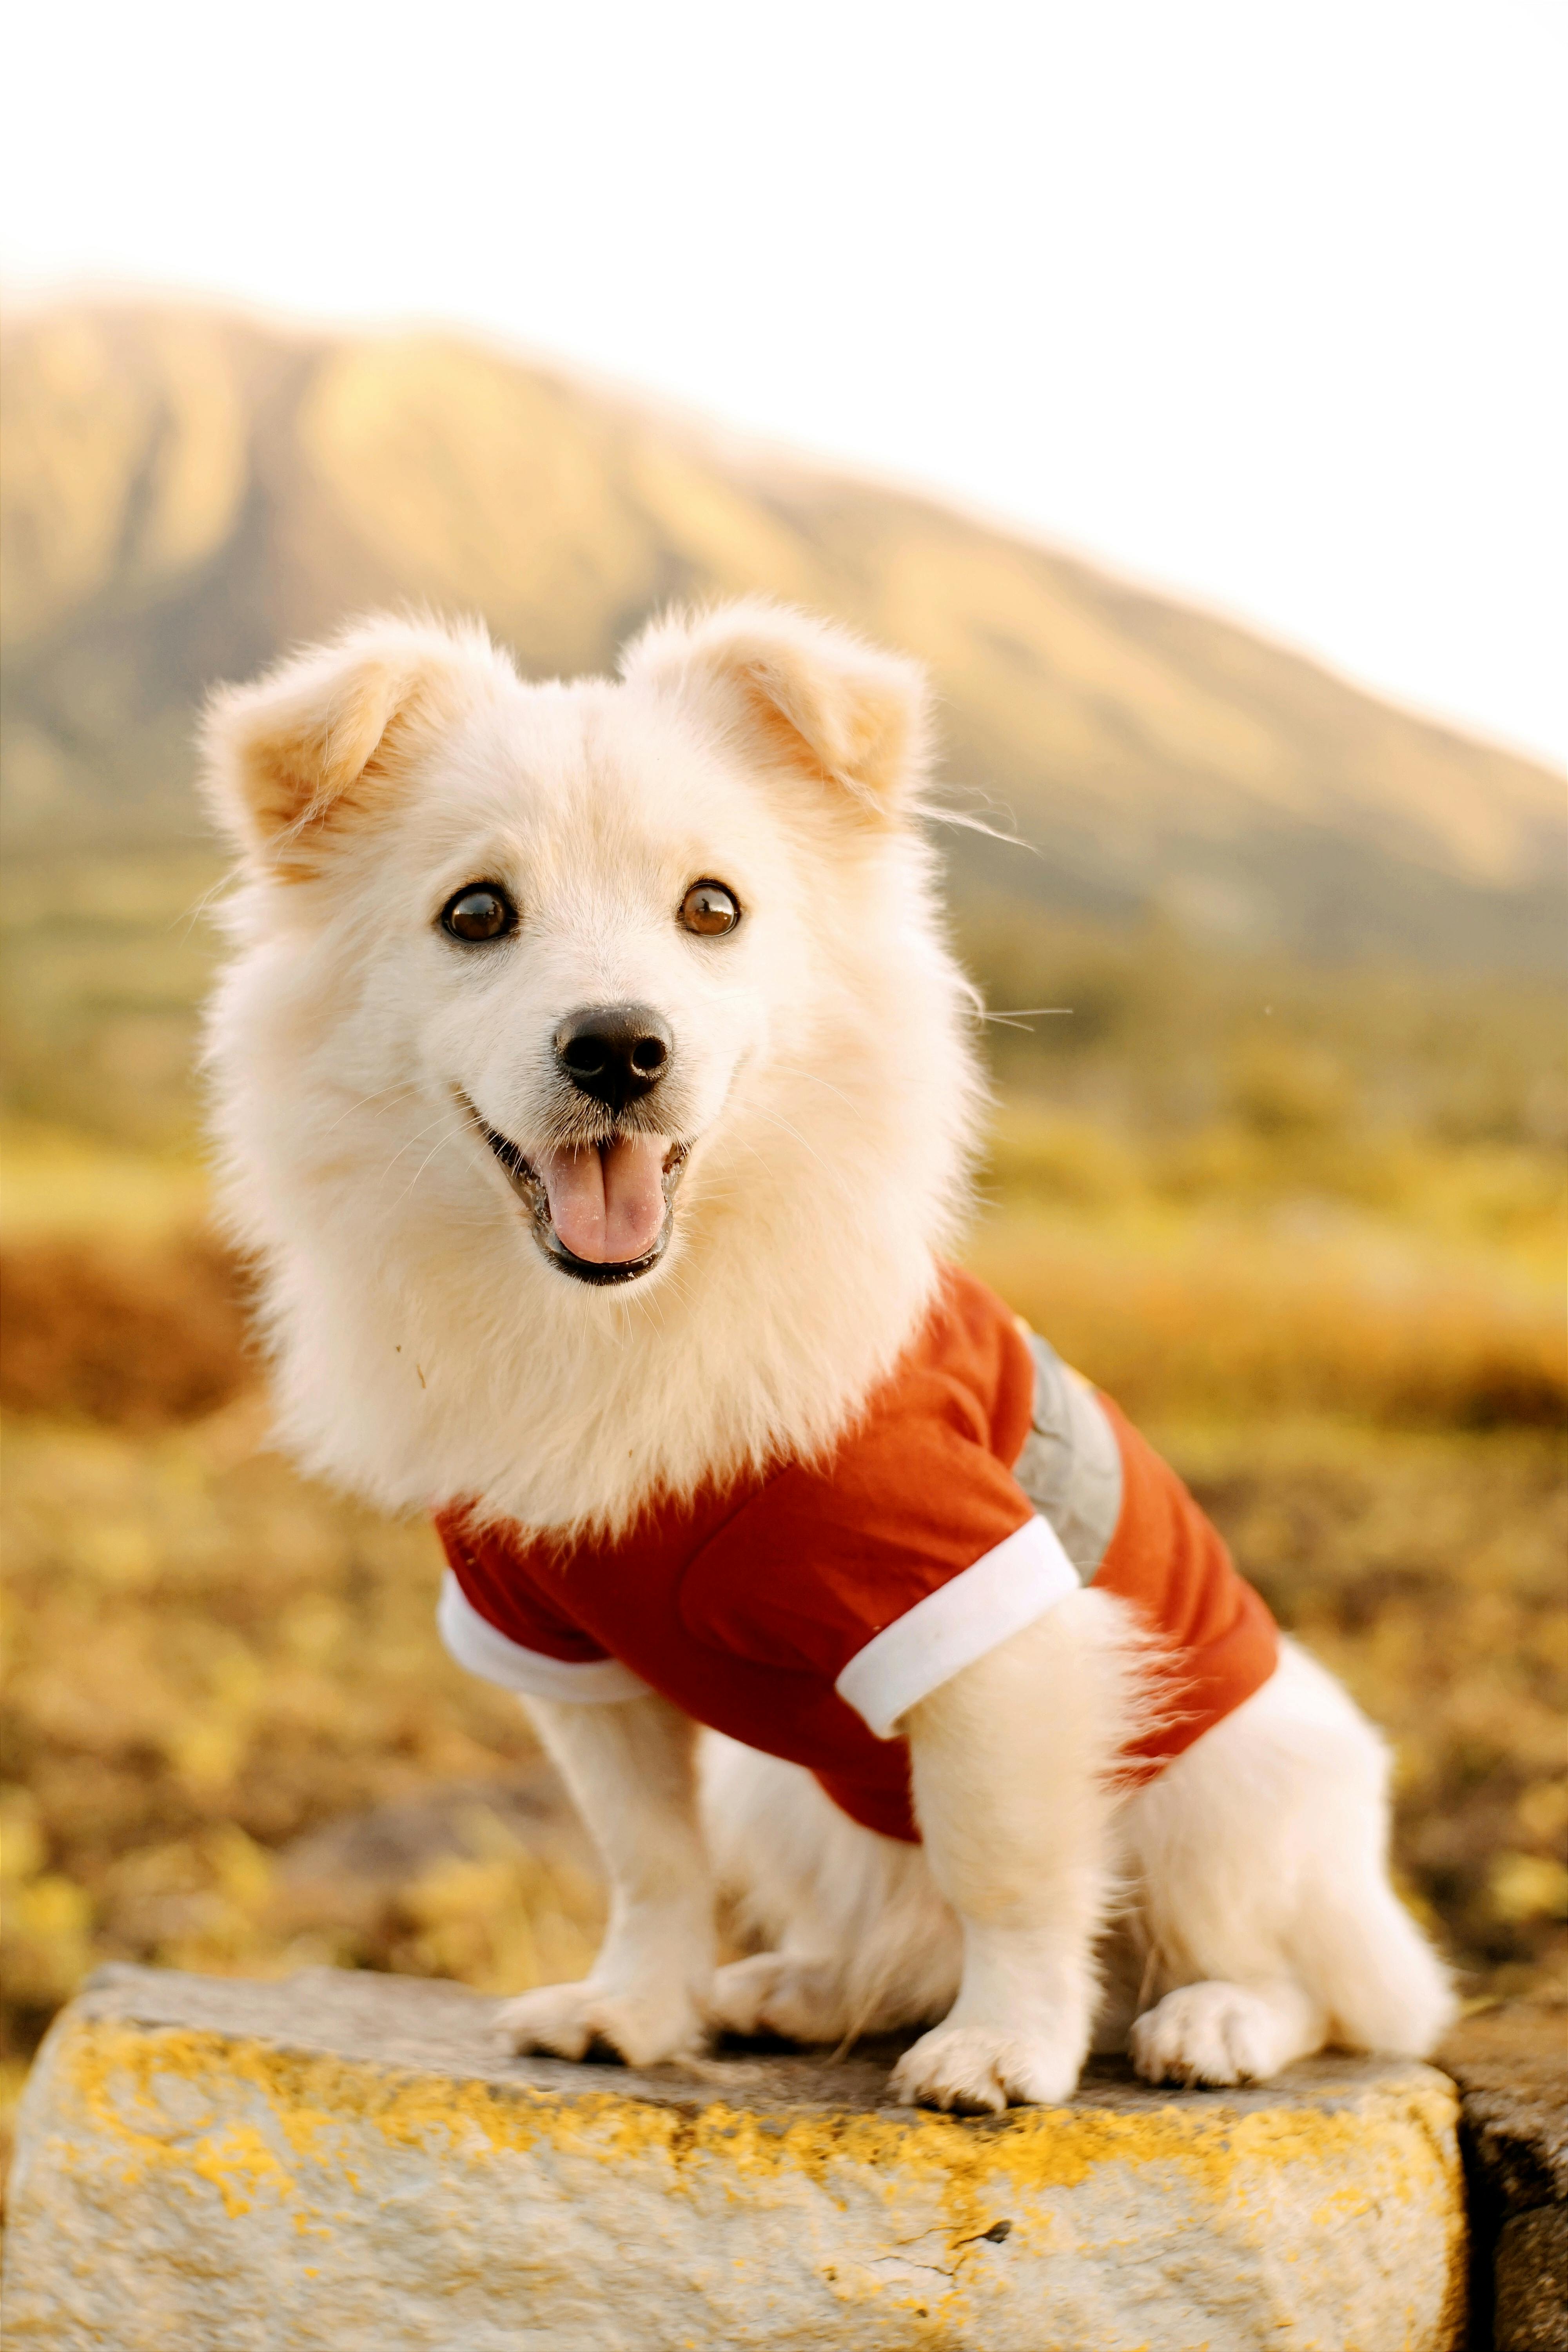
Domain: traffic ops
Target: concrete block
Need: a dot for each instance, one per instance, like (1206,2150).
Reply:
(346,2160)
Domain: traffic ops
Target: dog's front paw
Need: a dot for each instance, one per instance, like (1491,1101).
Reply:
(570,2020)
(979,2071)
(1216,2034)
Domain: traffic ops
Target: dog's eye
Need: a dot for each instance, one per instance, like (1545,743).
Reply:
(710,910)
(482,911)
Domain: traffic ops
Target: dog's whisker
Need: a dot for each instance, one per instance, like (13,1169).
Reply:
(815,1078)
(970,821)
(1025,1014)
(200,907)
(461,1125)
(777,1118)
(419,1133)
(376,1094)
(419,1172)
(464,1119)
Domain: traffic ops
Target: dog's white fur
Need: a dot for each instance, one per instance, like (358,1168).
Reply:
(1223,1920)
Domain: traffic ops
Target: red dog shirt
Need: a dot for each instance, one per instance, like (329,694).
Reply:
(806,1610)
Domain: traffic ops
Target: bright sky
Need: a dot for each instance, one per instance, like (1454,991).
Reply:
(1261,300)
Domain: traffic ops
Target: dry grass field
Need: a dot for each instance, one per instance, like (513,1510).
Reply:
(232,1742)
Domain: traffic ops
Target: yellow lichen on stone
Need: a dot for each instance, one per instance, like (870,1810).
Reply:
(114,2069)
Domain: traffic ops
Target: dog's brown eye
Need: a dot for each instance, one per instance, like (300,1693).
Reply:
(709,909)
(483,911)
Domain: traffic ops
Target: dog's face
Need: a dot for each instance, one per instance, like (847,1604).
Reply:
(592,960)
(557,942)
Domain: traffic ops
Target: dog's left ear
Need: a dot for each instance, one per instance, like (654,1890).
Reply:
(294,760)
(799,694)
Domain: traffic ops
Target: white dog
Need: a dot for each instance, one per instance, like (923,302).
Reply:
(596,1091)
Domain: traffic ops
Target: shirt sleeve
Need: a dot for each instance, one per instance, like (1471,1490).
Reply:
(494,1619)
(909,1555)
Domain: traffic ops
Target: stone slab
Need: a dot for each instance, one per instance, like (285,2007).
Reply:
(1511,2063)
(1531,2311)
(346,2160)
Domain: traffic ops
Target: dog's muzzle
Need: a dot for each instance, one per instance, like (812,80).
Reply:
(532,1188)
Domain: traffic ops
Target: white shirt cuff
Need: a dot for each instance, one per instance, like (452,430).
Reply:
(474,1642)
(1006,1588)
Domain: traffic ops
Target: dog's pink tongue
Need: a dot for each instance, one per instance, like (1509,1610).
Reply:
(607,1203)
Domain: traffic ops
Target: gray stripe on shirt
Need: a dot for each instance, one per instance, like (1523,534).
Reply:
(1070,1467)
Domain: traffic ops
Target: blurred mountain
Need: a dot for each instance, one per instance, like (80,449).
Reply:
(186,494)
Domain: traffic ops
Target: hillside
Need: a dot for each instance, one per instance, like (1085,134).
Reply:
(185,494)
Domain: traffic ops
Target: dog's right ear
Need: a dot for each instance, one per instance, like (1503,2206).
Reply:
(322,742)
(807,698)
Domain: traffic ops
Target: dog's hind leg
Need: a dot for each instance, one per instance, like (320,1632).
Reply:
(1265,1899)
(857,1939)
(629,1765)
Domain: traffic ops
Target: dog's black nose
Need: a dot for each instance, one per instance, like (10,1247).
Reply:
(615,1053)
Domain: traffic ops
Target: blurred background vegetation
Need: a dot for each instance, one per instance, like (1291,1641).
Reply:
(1288,1177)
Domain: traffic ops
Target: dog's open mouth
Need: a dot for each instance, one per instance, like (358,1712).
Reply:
(601,1212)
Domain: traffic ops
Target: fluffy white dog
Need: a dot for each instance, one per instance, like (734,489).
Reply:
(596,1091)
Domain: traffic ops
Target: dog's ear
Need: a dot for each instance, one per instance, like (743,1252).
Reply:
(326,737)
(800,694)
